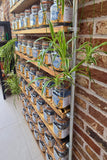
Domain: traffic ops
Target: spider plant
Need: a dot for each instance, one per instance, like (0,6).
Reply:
(7,56)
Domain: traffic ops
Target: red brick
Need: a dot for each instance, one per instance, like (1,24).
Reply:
(79,121)
(77,138)
(98,115)
(80,102)
(92,99)
(82,81)
(101,60)
(99,89)
(86,28)
(81,151)
(101,27)
(94,41)
(77,153)
(87,139)
(95,10)
(91,153)
(90,121)
(104,156)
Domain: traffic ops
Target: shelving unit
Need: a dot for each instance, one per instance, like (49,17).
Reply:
(20,6)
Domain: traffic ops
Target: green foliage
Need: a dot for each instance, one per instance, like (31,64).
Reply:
(12,83)
(7,55)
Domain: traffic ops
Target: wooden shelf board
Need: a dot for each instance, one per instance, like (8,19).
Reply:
(21,5)
(47,100)
(49,126)
(46,69)
(43,30)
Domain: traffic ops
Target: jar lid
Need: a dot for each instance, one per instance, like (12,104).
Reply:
(27,11)
(35,6)
(22,14)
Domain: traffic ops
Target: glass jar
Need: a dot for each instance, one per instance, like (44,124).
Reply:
(56,62)
(39,82)
(42,144)
(26,102)
(34,95)
(22,66)
(47,54)
(36,49)
(18,65)
(48,89)
(41,126)
(35,117)
(24,111)
(48,156)
(34,16)
(49,114)
(30,109)
(40,104)
(21,21)
(31,125)
(27,70)
(49,139)
(61,127)
(56,15)
(61,96)
(20,81)
(27,19)
(60,153)
(17,22)
(22,96)
(36,134)
(13,23)
(44,13)
(28,91)
(24,83)
(29,48)
(32,73)
(27,117)
(19,45)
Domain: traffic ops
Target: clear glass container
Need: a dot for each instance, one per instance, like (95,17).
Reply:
(41,126)
(31,125)
(19,45)
(49,114)
(27,19)
(22,66)
(39,82)
(34,16)
(24,44)
(49,139)
(32,73)
(40,104)
(34,95)
(21,21)
(17,22)
(30,109)
(26,102)
(36,133)
(48,156)
(36,49)
(29,48)
(26,70)
(35,117)
(42,144)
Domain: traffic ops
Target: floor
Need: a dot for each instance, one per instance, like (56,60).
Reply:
(16,140)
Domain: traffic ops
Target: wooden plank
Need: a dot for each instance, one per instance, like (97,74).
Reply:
(46,69)
(60,142)
(21,5)
(61,113)
(42,30)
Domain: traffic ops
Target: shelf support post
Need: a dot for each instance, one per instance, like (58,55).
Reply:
(75,12)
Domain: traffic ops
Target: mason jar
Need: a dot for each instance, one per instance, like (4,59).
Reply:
(49,114)
(28,91)
(23,48)
(30,109)
(26,102)
(34,96)
(21,21)
(36,134)
(24,84)
(27,70)
(19,45)
(31,125)
(22,96)
(34,16)
(17,22)
(27,117)
(60,153)
(27,19)
(39,82)
(41,126)
(61,127)
(35,117)
(40,104)
(29,48)
(36,49)
(49,139)
(24,111)
(22,66)
(48,89)
(32,73)
(42,145)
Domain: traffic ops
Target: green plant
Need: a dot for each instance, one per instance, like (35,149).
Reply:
(58,43)
(12,84)
(7,55)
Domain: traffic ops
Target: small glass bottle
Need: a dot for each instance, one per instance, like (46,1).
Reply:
(27,19)
(34,16)
(19,45)
(36,49)
(21,21)
(24,44)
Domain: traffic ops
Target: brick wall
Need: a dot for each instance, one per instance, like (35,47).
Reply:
(90,120)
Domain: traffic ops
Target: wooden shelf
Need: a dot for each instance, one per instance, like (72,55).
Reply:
(61,113)
(62,143)
(46,69)
(21,5)
(43,30)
